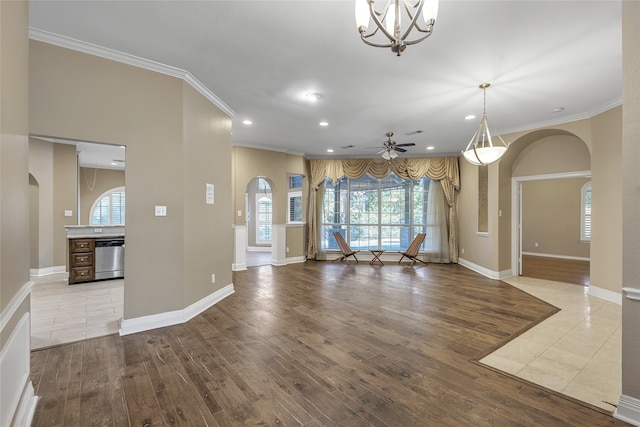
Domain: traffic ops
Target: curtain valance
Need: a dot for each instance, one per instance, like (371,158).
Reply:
(443,169)
(436,168)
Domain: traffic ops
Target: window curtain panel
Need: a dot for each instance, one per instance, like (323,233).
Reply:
(443,169)
(437,241)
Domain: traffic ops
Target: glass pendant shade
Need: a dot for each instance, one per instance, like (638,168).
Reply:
(484,149)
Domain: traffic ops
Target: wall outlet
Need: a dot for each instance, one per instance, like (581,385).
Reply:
(535,244)
(239,213)
(97,230)
(462,250)
(287,249)
(68,213)
(213,278)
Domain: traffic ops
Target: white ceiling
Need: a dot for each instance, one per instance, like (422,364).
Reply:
(261,57)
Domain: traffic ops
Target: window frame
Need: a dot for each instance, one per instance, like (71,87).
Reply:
(385,239)
(294,190)
(108,193)
(585,217)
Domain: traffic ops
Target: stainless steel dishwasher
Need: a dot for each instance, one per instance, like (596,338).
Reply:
(109,258)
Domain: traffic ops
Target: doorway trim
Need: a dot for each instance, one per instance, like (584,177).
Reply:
(516,211)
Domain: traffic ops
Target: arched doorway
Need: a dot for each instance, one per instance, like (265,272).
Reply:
(259,221)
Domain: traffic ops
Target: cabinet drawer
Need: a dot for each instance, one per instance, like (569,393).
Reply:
(81,274)
(81,245)
(82,259)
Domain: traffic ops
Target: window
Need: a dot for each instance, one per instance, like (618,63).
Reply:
(294,200)
(374,213)
(109,208)
(585,216)
(263,212)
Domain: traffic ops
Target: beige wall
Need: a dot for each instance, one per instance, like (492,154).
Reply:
(41,168)
(101,180)
(14,154)
(65,197)
(79,96)
(551,217)
(54,167)
(276,167)
(606,211)
(207,228)
(630,199)
(15,301)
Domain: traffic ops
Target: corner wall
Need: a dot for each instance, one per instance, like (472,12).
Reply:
(75,95)
(17,400)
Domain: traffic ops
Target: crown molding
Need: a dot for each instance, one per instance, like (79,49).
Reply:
(562,120)
(125,58)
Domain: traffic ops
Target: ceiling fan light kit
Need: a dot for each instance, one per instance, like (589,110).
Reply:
(484,149)
(421,16)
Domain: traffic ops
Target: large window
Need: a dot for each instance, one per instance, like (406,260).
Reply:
(585,217)
(109,208)
(263,212)
(374,213)
(294,200)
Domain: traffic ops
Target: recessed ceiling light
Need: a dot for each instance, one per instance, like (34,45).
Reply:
(329,150)
(312,96)
(324,123)
(557,110)
(470,117)
(114,164)
(247,122)
(431,147)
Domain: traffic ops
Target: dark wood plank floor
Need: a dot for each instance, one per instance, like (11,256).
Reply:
(556,269)
(315,344)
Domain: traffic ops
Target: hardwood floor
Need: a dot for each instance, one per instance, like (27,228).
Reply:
(316,344)
(556,269)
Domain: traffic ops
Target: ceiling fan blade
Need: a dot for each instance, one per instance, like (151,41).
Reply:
(408,144)
(401,150)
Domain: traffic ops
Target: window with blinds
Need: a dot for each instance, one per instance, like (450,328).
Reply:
(585,220)
(109,208)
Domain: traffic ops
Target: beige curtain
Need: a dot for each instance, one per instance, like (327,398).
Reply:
(443,169)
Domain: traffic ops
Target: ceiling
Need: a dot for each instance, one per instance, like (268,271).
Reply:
(262,57)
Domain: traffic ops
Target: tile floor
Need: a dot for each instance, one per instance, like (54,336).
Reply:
(575,352)
(63,313)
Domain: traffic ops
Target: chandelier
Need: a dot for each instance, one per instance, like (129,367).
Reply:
(481,149)
(421,15)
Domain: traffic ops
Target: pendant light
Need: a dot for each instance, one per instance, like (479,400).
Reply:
(482,149)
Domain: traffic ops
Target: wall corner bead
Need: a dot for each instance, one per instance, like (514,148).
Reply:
(632,293)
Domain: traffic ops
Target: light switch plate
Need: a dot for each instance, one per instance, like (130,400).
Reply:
(68,213)
(161,211)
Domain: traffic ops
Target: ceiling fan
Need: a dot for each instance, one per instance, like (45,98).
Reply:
(390,147)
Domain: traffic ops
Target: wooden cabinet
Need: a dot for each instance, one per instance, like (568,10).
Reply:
(81,260)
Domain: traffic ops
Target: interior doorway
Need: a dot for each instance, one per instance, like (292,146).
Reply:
(259,209)
(563,260)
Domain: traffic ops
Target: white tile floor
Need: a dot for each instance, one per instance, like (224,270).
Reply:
(575,352)
(63,313)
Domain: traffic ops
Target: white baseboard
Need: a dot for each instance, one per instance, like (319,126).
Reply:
(578,258)
(628,410)
(27,407)
(160,320)
(605,294)
(239,267)
(296,260)
(496,275)
(39,272)
(17,400)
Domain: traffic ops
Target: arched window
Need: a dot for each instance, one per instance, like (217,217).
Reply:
(109,208)
(585,213)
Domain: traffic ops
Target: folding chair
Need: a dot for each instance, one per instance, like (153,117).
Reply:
(413,249)
(344,248)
